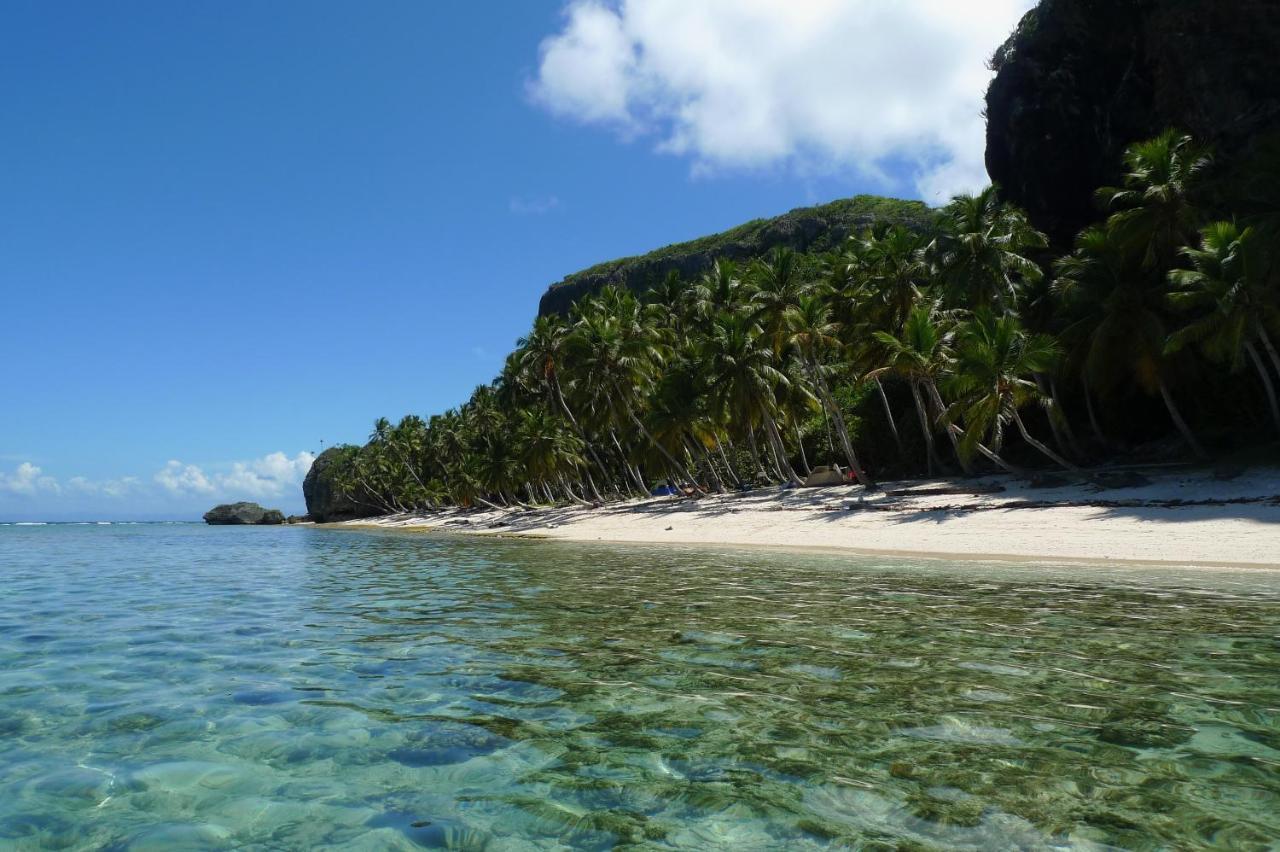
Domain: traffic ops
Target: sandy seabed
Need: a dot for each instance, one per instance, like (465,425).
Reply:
(1180,517)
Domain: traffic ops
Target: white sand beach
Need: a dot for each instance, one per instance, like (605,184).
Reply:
(1176,516)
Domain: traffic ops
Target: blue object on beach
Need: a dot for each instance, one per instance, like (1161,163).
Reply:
(664,491)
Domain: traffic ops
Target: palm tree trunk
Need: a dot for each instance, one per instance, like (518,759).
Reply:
(925,429)
(676,465)
(591,483)
(626,465)
(491,505)
(755,455)
(716,481)
(1026,436)
(1065,420)
(956,432)
(1266,343)
(1054,414)
(779,448)
(1176,416)
(568,489)
(733,474)
(1093,415)
(843,431)
(580,432)
(804,459)
(955,444)
(888,415)
(1266,382)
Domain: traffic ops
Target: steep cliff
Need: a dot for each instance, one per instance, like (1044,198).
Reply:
(1081,79)
(806,229)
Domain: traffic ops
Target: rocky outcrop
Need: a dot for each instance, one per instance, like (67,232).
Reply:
(325,502)
(1080,80)
(809,229)
(243,514)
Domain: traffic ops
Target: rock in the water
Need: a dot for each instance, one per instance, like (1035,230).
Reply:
(325,502)
(1081,80)
(243,514)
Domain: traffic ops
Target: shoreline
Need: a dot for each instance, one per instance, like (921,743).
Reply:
(1190,519)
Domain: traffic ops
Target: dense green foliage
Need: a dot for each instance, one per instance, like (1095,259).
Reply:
(807,229)
(905,350)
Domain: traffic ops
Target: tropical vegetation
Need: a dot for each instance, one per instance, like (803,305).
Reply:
(951,345)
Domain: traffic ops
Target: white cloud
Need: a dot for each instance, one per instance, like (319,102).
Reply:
(534,206)
(178,478)
(270,476)
(28,479)
(816,86)
(106,487)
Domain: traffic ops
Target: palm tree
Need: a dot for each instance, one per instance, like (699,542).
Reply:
(617,354)
(1226,289)
(812,332)
(921,355)
(982,255)
(1154,214)
(717,291)
(1117,329)
(744,378)
(540,355)
(546,450)
(775,288)
(891,272)
(995,362)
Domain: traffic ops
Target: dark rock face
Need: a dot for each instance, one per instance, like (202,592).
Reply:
(243,514)
(324,503)
(1080,80)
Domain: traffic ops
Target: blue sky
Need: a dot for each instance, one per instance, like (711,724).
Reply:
(231,231)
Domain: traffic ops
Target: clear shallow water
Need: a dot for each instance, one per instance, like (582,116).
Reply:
(184,687)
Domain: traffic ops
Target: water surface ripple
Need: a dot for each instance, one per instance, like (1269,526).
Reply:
(182,687)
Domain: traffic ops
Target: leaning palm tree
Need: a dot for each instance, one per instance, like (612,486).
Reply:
(1117,329)
(540,355)
(547,451)
(995,362)
(743,381)
(812,332)
(617,354)
(921,355)
(1232,305)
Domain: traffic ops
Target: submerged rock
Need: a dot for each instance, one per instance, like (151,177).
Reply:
(243,514)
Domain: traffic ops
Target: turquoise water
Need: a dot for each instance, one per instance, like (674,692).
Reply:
(184,687)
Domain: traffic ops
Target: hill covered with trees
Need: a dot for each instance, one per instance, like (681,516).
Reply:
(1116,296)
(807,229)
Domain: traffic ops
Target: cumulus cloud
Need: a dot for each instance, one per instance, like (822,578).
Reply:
(270,476)
(178,478)
(821,86)
(28,479)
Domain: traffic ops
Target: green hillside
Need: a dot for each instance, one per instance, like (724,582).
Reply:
(807,229)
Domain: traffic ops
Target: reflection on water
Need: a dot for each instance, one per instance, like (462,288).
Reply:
(186,687)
